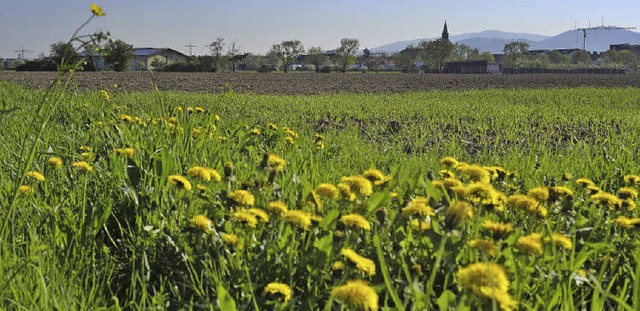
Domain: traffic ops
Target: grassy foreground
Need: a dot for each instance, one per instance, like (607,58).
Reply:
(519,199)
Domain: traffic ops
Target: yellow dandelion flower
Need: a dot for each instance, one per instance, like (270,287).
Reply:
(275,162)
(242,197)
(447,174)
(278,207)
(179,182)
(290,132)
(327,190)
(355,220)
(487,246)
(346,191)
(283,291)
(541,194)
(475,173)
(229,238)
(97,10)
(35,175)
(526,203)
(607,199)
(105,95)
(337,266)
(26,189)
(88,156)
(363,264)
(556,192)
(272,126)
(290,140)
(357,295)
(126,118)
(125,152)
(457,213)
(562,240)
(531,244)
(629,204)
(314,217)
(298,218)
(83,166)
(203,222)
(628,193)
(85,149)
(420,225)
(418,206)
(488,280)
(482,193)
(260,214)
(627,222)
(196,132)
(245,217)
(585,182)
(376,176)
(632,179)
(256,131)
(449,161)
(55,162)
(204,173)
(358,185)
(593,189)
(499,228)
(202,188)
(199,109)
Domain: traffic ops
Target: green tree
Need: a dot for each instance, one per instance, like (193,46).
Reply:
(580,57)
(216,52)
(63,53)
(435,53)
(287,51)
(486,55)
(233,54)
(463,52)
(119,54)
(624,58)
(317,57)
(555,57)
(513,52)
(347,51)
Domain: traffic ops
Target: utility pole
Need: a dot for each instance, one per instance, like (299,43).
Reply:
(21,53)
(190,46)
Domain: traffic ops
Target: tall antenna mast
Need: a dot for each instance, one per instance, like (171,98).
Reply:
(190,46)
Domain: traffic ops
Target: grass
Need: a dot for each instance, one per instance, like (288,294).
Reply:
(123,237)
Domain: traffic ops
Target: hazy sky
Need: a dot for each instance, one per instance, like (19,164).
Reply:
(257,24)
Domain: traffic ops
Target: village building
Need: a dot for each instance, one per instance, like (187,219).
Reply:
(146,58)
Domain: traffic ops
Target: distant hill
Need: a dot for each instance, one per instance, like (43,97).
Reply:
(494,40)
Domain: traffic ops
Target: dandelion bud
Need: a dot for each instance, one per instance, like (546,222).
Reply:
(457,213)
(228,169)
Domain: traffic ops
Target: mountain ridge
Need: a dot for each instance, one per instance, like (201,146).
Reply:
(494,40)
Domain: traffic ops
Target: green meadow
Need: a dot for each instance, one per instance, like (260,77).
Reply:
(450,200)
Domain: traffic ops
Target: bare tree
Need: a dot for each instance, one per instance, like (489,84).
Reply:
(317,57)
(287,51)
(233,53)
(216,51)
(347,51)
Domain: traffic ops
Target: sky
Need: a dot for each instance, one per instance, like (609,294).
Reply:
(257,24)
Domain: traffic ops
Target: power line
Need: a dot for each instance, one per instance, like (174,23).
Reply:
(21,53)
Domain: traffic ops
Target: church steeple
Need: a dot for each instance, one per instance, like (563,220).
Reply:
(445,32)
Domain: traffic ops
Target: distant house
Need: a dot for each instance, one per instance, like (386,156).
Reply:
(635,48)
(145,58)
(472,66)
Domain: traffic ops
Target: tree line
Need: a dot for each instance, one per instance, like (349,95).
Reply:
(426,56)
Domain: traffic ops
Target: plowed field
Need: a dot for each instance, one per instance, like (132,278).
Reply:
(311,83)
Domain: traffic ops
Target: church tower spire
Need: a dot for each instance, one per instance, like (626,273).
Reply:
(445,32)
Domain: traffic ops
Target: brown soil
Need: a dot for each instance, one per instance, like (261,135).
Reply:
(311,83)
